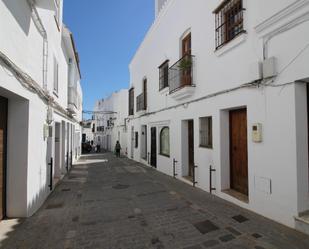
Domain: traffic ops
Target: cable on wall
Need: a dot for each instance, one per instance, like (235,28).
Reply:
(30,84)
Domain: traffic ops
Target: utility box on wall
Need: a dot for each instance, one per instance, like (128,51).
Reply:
(257,133)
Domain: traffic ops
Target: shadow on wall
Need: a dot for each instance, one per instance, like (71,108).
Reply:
(21,12)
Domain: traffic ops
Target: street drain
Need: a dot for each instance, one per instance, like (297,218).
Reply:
(206,226)
(120,186)
(65,189)
(240,218)
(54,206)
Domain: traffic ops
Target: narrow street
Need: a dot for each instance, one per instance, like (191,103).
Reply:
(112,203)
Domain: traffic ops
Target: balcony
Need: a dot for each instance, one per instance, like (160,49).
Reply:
(140,103)
(181,78)
(72,99)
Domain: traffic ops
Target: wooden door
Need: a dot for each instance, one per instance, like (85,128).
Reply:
(153,157)
(3,134)
(239,151)
(307,86)
(191,147)
(186,78)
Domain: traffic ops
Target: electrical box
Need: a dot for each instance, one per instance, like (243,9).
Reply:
(270,67)
(257,133)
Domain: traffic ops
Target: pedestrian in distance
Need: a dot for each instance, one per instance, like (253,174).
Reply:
(117,149)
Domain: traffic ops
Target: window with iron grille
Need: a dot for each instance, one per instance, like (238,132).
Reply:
(56,76)
(131,101)
(136,139)
(229,21)
(163,75)
(165,141)
(206,132)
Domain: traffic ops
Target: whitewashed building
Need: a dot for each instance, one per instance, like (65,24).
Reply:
(219,99)
(110,121)
(88,129)
(40,103)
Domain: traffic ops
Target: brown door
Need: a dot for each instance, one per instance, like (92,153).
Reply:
(186,61)
(307,86)
(3,131)
(191,146)
(238,151)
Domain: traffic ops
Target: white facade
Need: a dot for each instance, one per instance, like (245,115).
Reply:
(225,79)
(88,130)
(110,121)
(43,123)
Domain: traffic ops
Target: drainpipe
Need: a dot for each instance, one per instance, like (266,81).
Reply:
(39,24)
(296,22)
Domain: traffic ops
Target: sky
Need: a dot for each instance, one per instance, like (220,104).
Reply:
(107,34)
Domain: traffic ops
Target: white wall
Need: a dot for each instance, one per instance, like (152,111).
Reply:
(21,41)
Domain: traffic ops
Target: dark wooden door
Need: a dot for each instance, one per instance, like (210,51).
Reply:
(239,151)
(153,157)
(307,86)
(191,146)
(186,78)
(3,134)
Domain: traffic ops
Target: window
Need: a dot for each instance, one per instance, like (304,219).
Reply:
(131,101)
(229,21)
(163,75)
(165,141)
(206,132)
(56,76)
(136,139)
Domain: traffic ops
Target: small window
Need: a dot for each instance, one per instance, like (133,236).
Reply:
(229,21)
(163,75)
(206,132)
(165,141)
(136,139)
(56,76)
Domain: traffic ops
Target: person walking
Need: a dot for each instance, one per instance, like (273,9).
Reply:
(117,149)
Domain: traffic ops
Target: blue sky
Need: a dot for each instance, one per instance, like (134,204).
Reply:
(107,34)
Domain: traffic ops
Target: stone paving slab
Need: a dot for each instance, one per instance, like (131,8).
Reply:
(111,203)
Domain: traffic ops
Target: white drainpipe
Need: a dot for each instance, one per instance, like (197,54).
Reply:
(39,24)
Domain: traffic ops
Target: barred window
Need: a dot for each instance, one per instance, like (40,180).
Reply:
(136,139)
(229,21)
(56,76)
(163,75)
(206,132)
(131,101)
(165,141)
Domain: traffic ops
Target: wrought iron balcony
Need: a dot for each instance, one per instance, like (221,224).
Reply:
(181,73)
(140,102)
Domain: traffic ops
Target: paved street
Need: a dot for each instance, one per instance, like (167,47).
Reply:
(114,203)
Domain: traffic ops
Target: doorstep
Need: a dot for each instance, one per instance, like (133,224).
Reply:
(237,195)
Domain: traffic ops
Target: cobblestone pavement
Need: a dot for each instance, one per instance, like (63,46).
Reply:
(120,204)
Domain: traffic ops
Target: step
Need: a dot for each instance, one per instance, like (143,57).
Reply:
(302,222)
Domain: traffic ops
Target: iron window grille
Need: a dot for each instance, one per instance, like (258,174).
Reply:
(165,142)
(163,75)
(181,73)
(206,132)
(229,21)
(140,102)
(136,139)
